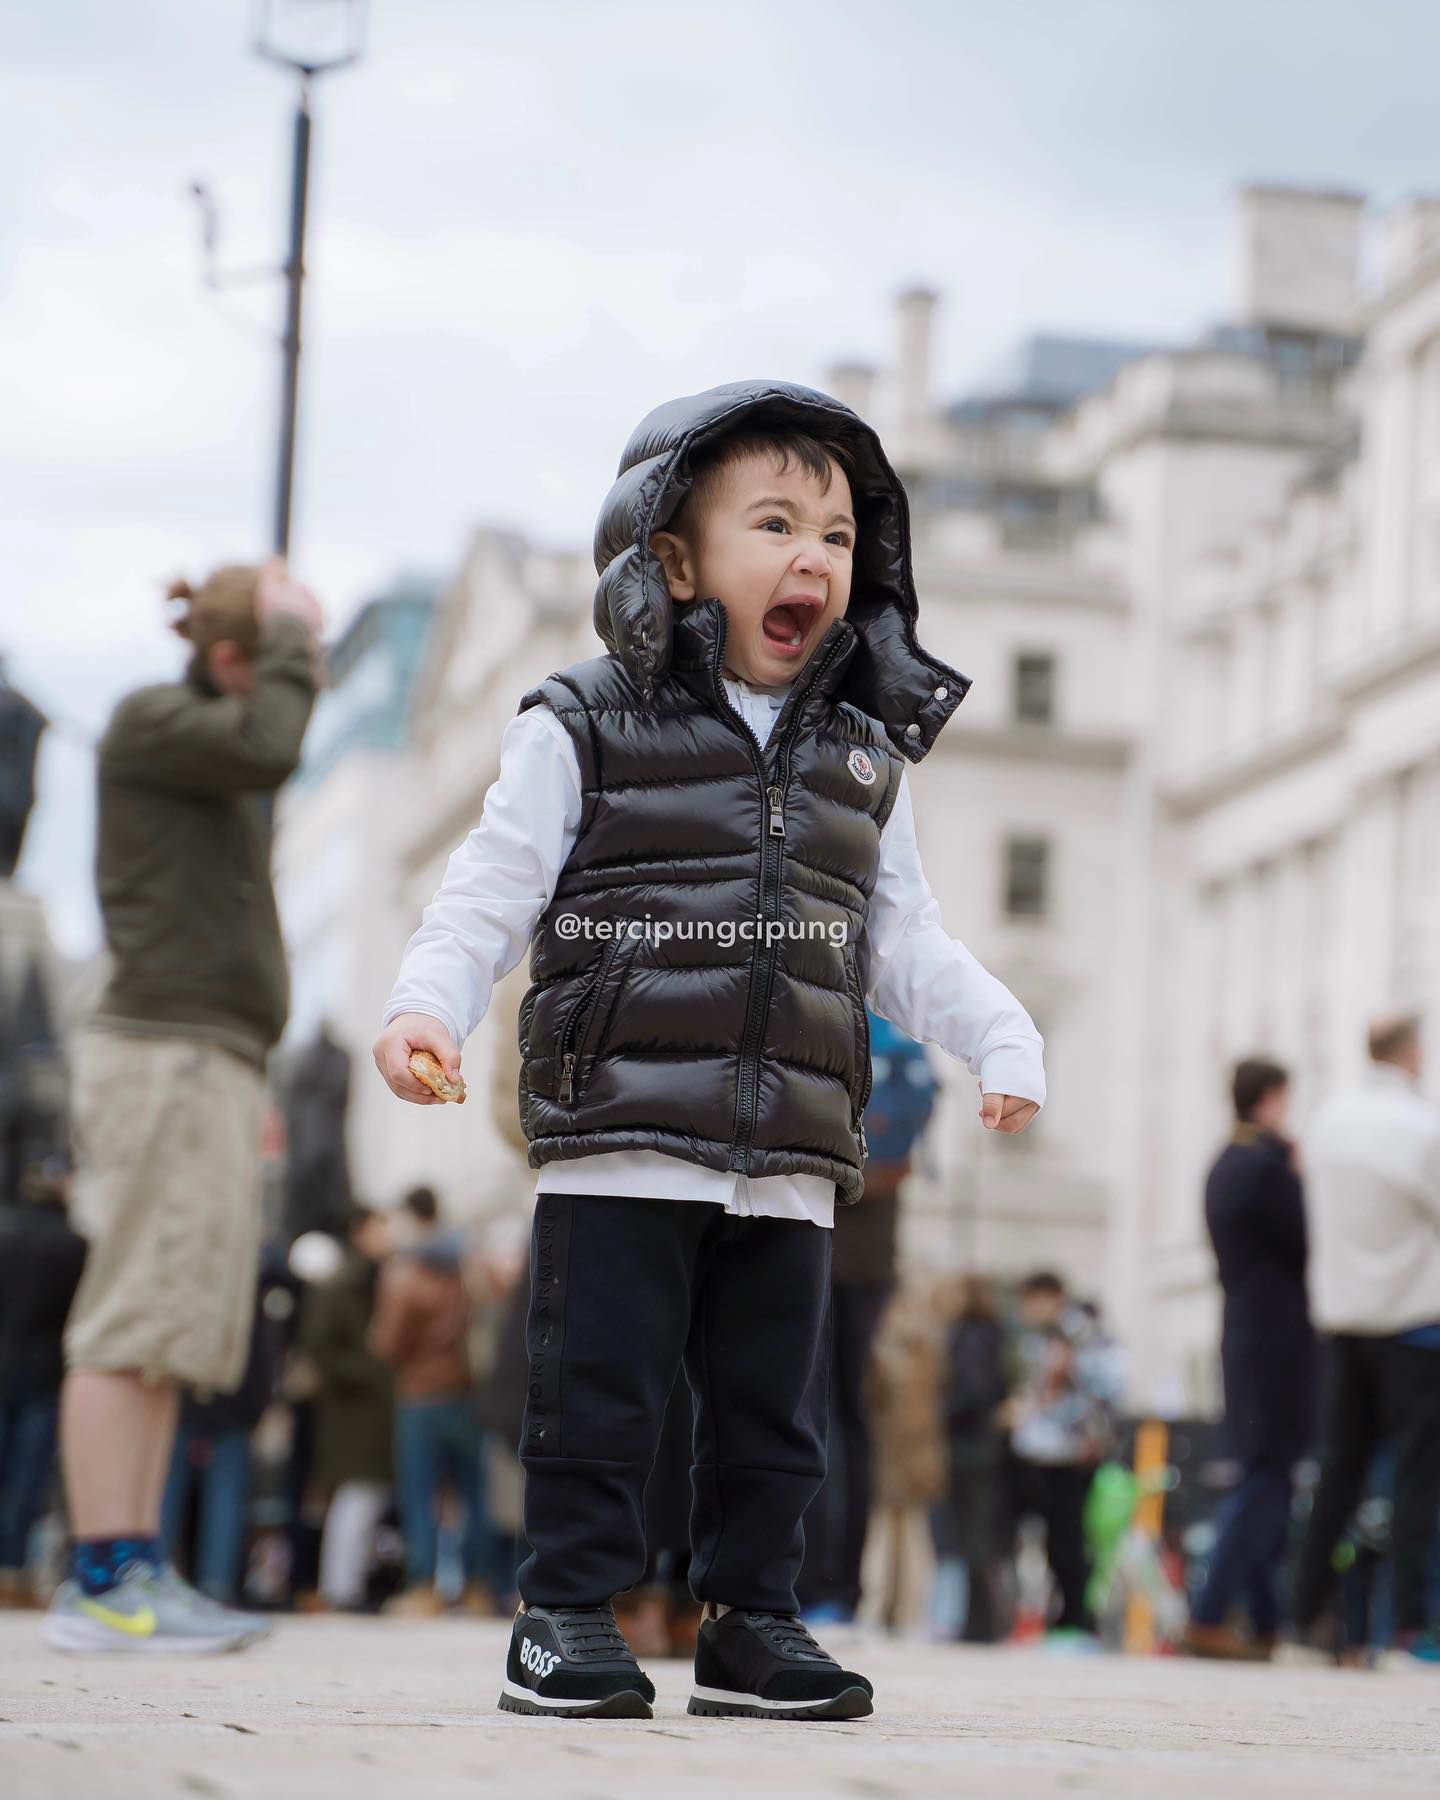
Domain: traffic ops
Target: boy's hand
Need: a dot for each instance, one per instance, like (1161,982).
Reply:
(1006,1112)
(393,1047)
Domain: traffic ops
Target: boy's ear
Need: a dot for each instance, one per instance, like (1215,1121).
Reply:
(677,562)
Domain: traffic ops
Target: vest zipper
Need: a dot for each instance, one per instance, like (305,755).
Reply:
(573,1018)
(857,1109)
(767,954)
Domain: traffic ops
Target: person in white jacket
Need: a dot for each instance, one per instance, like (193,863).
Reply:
(1373,1192)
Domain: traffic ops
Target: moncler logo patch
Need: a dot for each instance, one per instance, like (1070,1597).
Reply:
(861,767)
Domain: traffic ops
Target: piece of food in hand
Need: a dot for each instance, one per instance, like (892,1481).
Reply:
(425,1067)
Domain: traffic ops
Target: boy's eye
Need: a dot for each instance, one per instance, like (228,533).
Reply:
(840,537)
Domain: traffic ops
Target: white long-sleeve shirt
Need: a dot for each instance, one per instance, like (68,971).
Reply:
(503,876)
(1372,1193)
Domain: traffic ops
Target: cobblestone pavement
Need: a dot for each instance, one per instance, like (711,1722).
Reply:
(359,1709)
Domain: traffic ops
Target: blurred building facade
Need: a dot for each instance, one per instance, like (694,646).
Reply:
(1187,813)
(335,854)
(1217,566)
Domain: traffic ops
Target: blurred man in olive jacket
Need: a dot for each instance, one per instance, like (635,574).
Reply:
(170,1091)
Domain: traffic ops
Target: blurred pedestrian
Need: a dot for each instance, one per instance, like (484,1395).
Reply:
(903,1389)
(169,1092)
(966,1521)
(353,1411)
(421,1329)
(41,1259)
(1062,1423)
(212,1460)
(862,1281)
(1255,1215)
(1373,1170)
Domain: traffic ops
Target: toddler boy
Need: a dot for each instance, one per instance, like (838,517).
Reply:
(706,838)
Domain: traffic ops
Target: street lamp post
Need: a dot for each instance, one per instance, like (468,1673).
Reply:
(312,37)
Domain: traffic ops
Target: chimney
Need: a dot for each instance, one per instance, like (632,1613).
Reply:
(853,384)
(1300,258)
(1411,236)
(916,307)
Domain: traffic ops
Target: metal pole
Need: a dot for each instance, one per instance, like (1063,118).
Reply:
(290,343)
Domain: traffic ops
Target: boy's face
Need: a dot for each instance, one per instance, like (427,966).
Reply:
(778,553)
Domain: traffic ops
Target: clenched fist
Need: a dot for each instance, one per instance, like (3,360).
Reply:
(1006,1112)
(393,1048)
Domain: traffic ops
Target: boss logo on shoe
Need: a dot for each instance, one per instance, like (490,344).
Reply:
(537,1661)
(861,767)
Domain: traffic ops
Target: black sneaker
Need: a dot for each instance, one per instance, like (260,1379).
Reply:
(572,1661)
(758,1665)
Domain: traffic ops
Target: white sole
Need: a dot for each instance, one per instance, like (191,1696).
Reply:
(728,1703)
(627,1704)
(728,1697)
(87,1637)
(516,1692)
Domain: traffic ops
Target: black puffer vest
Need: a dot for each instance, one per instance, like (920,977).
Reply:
(698,980)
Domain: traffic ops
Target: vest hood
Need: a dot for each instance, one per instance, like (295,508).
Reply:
(909,692)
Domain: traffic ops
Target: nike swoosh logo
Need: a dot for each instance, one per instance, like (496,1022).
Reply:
(139,1624)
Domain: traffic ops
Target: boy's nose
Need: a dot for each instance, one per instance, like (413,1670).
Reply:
(813,559)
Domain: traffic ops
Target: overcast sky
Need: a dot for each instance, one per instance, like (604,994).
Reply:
(531,223)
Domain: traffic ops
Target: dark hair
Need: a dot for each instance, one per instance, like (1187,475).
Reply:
(816,455)
(1253,1079)
(422,1203)
(1043,1281)
(1391,1037)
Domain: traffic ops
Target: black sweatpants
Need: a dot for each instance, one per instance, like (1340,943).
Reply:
(1055,1493)
(1374,1388)
(623,1290)
(836,1524)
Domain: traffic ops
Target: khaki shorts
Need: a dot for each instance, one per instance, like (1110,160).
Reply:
(168,1191)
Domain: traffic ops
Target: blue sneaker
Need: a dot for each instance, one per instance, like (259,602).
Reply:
(1415,1653)
(148,1610)
(829,1612)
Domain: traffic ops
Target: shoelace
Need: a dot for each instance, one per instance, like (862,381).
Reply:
(789,1636)
(589,1631)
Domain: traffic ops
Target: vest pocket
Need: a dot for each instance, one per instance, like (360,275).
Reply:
(577,1036)
(862,1072)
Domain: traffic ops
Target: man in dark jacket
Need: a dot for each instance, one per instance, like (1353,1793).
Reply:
(169,1091)
(862,1280)
(1255,1214)
(40,1263)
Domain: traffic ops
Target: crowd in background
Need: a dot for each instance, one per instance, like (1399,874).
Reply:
(366,1460)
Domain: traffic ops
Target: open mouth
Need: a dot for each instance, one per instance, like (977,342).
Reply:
(789,624)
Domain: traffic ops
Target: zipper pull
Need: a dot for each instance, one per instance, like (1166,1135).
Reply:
(567,1078)
(777,813)
(864,1147)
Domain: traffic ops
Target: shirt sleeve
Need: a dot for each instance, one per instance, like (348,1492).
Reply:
(498,882)
(929,985)
(179,738)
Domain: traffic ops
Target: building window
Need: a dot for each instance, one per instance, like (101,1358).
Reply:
(1027,877)
(1035,688)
